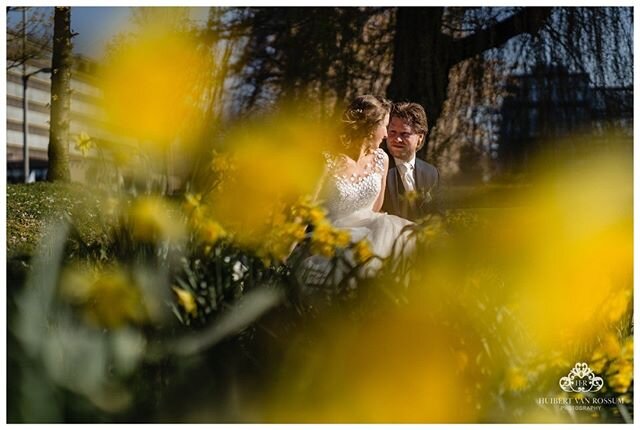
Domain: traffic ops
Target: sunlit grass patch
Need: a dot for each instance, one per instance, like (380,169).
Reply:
(31,206)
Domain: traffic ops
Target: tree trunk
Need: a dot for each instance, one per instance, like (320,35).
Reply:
(421,61)
(60,97)
(423,55)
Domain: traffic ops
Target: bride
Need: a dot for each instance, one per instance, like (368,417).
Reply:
(353,186)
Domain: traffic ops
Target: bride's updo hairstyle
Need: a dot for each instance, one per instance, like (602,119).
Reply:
(360,120)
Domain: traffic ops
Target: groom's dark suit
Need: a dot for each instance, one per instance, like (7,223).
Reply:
(395,201)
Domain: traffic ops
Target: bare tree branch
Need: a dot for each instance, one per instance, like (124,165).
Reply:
(527,20)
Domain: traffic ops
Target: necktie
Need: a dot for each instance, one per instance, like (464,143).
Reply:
(407,177)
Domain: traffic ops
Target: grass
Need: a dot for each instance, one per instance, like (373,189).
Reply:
(31,207)
(483,196)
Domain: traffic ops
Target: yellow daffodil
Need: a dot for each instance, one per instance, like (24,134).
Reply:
(620,375)
(84,143)
(627,349)
(221,163)
(342,238)
(308,212)
(516,379)
(211,232)
(151,218)
(281,242)
(108,297)
(362,251)
(611,345)
(598,361)
(193,202)
(186,300)
(326,239)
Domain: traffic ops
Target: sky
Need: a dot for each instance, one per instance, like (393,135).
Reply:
(96,26)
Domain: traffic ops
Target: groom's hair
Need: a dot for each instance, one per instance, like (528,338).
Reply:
(413,114)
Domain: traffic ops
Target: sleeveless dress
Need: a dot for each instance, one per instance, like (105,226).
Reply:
(349,202)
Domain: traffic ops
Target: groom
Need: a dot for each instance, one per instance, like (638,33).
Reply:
(410,181)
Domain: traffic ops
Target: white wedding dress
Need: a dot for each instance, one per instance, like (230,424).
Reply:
(349,202)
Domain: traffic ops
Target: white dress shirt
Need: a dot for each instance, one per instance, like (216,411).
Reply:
(406,169)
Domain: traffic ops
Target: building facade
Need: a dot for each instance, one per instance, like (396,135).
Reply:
(549,106)
(86,116)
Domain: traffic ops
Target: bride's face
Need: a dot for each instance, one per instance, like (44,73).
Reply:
(381,131)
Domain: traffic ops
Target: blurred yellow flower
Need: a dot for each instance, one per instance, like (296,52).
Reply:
(276,161)
(620,375)
(306,211)
(562,265)
(398,367)
(151,84)
(412,197)
(221,163)
(614,360)
(316,215)
(558,361)
(193,203)
(76,284)
(516,379)
(186,300)
(611,345)
(84,143)
(323,233)
(430,229)
(362,251)
(617,305)
(627,349)
(325,239)
(280,242)
(342,238)
(598,361)
(211,232)
(462,360)
(152,218)
(109,297)
(565,283)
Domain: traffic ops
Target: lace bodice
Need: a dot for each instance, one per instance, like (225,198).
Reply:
(344,195)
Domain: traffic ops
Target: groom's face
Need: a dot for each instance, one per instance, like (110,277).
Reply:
(402,142)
